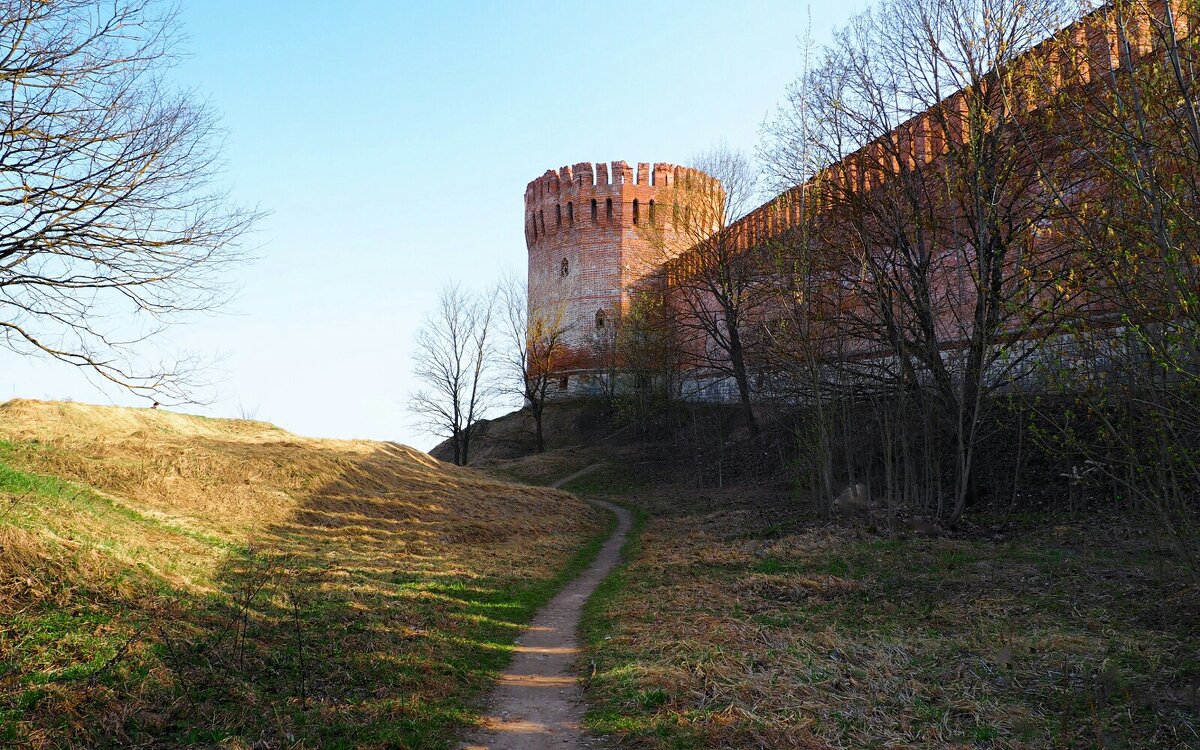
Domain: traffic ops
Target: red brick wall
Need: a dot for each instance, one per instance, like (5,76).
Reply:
(920,140)
(923,148)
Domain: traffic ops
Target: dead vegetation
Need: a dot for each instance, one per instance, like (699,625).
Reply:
(174,581)
(740,622)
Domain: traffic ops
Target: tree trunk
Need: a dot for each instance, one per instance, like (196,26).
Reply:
(466,443)
(537,428)
(742,379)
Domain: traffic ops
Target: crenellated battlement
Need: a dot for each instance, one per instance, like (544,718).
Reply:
(930,135)
(588,195)
(619,174)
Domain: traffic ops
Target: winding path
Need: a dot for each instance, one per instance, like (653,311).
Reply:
(538,702)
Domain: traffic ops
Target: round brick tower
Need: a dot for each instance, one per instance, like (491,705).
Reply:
(588,249)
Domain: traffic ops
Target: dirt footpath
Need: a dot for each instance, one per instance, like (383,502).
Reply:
(538,702)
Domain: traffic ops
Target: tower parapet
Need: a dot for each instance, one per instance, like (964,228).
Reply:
(587,249)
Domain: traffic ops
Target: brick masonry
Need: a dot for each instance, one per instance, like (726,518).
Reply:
(587,248)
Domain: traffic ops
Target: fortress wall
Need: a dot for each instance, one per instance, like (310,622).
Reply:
(921,140)
(608,257)
(920,145)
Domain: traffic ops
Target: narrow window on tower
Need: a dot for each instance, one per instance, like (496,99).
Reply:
(542,218)
(608,208)
(595,213)
(533,222)
(564,268)
(635,211)
(571,212)
(557,214)
(651,211)
(600,318)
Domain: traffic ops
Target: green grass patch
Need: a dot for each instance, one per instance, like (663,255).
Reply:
(611,693)
(608,480)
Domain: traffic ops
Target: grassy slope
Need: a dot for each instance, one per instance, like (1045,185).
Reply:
(736,623)
(174,580)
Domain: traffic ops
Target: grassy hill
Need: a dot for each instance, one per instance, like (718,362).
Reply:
(171,580)
(578,423)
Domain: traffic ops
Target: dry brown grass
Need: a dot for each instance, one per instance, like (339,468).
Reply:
(413,573)
(540,468)
(234,479)
(740,624)
(227,475)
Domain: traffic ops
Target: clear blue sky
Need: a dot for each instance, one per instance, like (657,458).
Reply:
(392,142)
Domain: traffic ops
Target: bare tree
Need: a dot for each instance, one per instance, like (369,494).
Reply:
(934,207)
(453,358)
(648,347)
(534,349)
(605,355)
(109,226)
(714,281)
(1135,130)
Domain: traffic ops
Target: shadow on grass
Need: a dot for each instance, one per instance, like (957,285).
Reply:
(372,615)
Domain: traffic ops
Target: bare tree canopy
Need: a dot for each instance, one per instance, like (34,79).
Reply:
(718,290)
(1136,133)
(455,352)
(934,249)
(109,224)
(535,344)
